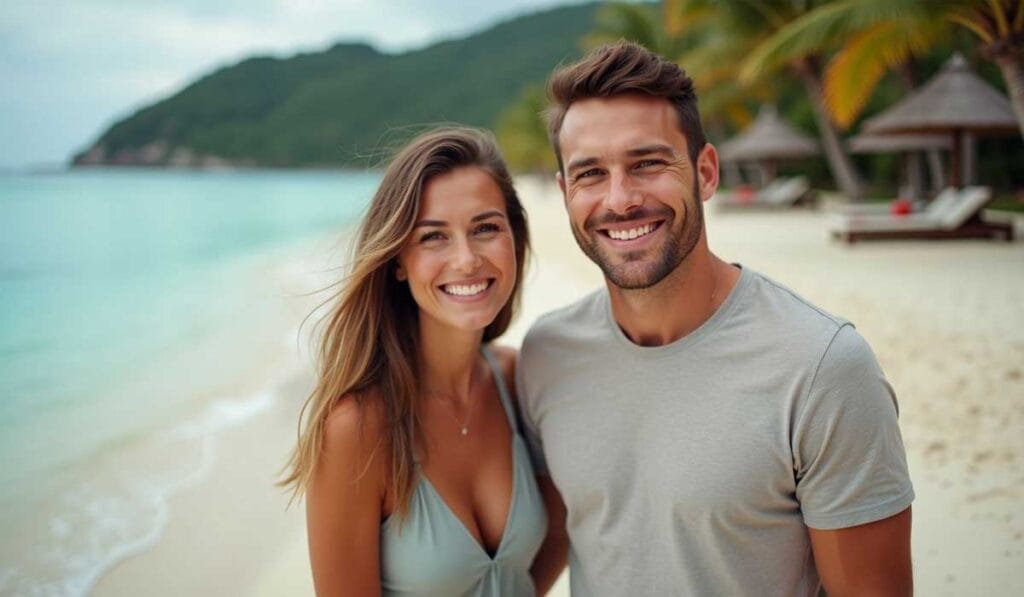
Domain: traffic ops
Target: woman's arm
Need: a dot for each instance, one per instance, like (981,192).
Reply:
(343,505)
(554,552)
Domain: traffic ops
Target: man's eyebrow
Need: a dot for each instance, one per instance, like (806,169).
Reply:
(580,163)
(487,214)
(649,149)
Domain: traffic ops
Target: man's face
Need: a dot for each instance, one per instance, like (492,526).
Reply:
(634,197)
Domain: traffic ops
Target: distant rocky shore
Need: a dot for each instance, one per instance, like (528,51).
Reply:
(157,154)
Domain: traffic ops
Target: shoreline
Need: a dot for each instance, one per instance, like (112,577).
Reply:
(248,449)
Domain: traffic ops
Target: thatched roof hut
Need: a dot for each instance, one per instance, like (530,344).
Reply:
(868,143)
(954,102)
(769,138)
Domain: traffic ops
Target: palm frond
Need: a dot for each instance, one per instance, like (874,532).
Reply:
(853,74)
(714,61)
(677,15)
(966,22)
(633,22)
(1002,25)
(822,28)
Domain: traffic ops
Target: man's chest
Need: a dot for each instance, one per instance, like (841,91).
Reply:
(678,446)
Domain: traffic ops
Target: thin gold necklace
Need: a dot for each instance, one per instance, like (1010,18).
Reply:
(462,425)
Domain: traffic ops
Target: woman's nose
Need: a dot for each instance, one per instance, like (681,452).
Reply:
(466,258)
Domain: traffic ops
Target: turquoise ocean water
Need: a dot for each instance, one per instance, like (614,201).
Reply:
(105,274)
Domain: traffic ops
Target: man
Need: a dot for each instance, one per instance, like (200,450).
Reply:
(709,431)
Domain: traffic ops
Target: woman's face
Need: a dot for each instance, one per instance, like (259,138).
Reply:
(460,261)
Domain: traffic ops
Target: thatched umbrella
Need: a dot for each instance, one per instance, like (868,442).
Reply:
(911,146)
(768,140)
(865,143)
(954,102)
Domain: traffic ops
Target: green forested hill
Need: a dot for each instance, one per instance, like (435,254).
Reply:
(337,107)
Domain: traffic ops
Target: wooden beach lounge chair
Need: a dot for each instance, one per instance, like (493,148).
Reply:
(959,218)
(936,206)
(780,193)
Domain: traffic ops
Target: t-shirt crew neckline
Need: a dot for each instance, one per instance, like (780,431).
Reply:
(672,348)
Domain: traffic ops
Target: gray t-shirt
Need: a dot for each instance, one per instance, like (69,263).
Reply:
(696,467)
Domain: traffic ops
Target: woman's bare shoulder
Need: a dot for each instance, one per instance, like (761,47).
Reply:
(354,428)
(507,358)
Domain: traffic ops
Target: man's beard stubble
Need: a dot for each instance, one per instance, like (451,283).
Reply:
(676,249)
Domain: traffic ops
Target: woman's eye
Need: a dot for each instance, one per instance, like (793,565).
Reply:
(487,227)
(429,236)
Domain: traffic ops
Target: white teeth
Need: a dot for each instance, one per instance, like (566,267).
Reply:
(631,233)
(465,290)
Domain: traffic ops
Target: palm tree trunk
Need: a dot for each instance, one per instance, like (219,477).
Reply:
(839,161)
(1012,69)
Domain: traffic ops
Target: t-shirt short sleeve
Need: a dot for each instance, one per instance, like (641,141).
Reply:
(527,410)
(851,467)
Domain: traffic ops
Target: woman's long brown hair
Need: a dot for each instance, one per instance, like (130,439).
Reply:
(370,337)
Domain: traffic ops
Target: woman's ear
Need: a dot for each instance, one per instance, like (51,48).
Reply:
(399,272)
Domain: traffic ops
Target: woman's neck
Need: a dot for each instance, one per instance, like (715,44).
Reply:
(447,360)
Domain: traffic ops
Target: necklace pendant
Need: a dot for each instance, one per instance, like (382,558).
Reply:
(465,431)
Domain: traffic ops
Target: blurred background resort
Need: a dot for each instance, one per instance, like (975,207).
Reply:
(178,182)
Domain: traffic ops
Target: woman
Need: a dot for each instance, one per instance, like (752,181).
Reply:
(416,479)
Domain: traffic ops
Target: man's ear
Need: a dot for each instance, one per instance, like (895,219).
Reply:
(707,171)
(561,181)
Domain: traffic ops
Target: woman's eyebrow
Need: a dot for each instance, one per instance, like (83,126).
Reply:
(442,223)
(488,214)
(430,223)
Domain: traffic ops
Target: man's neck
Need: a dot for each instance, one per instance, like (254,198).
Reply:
(679,304)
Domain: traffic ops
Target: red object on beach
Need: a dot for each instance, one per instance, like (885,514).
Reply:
(744,194)
(900,207)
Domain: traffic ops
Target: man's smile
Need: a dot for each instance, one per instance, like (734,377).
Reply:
(628,231)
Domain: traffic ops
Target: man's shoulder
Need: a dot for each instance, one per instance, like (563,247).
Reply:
(776,304)
(586,313)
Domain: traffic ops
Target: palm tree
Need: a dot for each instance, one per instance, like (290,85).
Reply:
(882,34)
(750,23)
(689,34)
(522,133)
(711,39)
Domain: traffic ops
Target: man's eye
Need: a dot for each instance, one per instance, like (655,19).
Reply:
(648,163)
(588,173)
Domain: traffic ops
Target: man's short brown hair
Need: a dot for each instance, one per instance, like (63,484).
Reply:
(620,69)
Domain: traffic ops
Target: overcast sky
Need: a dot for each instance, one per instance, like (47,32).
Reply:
(70,68)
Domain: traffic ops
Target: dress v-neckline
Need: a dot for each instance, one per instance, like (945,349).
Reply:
(481,548)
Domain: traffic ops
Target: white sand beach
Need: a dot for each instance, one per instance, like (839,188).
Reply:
(946,320)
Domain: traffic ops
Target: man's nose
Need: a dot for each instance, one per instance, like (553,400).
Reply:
(466,258)
(623,194)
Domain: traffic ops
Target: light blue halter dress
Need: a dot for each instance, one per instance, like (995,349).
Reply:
(432,553)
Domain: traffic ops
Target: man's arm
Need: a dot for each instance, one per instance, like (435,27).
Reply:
(853,484)
(554,552)
(869,559)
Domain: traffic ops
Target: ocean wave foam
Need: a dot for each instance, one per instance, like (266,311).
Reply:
(116,505)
